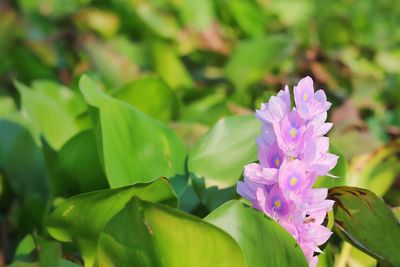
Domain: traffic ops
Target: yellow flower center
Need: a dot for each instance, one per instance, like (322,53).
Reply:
(277,162)
(305,97)
(277,203)
(293,132)
(293,181)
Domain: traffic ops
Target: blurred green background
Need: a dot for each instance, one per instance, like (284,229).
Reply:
(189,63)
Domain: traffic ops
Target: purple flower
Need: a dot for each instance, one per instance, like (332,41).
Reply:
(276,108)
(320,125)
(289,133)
(274,203)
(308,103)
(258,174)
(270,156)
(293,151)
(316,156)
(293,180)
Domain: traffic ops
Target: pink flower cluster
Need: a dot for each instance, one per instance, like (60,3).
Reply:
(293,151)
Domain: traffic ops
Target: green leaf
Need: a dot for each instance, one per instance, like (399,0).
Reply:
(24,248)
(363,219)
(81,218)
(212,197)
(9,29)
(103,22)
(396,211)
(24,264)
(249,16)
(340,171)
(326,259)
(22,162)
(376,171)
(46,252)
(263,241)
(134,147)
(149,17)
(115,68)
(61,263)
(357,256)
(220,155)
(52,8)
(76,168)
(196,14)
(8,106)
(152,96)
(49,109)
(65,98)
(169,66)
(252,59)
(207,110)
(291,13)
(49,251)
(153,235)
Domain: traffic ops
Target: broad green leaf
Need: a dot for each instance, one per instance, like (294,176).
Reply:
(363,219)
(24,248)
(389,60)
(291,13)
(45,109)
(49,251)
(24,264)
(189,132)
(80,219)
(22,162)
(149,17)
(189,200)
(46,252)
(52,8)
(361,258)
(63,96)
(76,168)
(212,197)
(376,171)
(29,66)
(252,59)
(326,259)
(115,68)
(153,235)
(249,16)
(104,22)
(137,52)
(8,106)
(169,66)
(340,171)
(396,211)
(220,155)
(60,263)
(207,110)
(8,32)
(263,241)
(196,14)
(152,96)
(65,263)
(134,147)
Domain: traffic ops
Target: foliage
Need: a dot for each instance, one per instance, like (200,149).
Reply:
(124,119)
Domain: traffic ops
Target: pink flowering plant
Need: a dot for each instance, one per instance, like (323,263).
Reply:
(129,192)
(292,153)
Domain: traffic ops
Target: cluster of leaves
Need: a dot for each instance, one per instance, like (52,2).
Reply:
(81,161)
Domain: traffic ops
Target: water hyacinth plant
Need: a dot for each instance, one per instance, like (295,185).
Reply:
(292,153)
(129,136)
